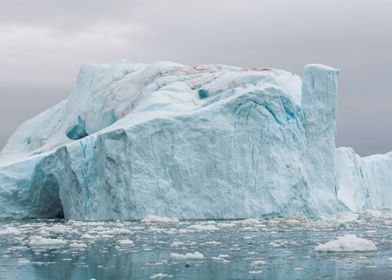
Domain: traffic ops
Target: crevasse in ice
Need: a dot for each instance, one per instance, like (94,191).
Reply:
(193,142)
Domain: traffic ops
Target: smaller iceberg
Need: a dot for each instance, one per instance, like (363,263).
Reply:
(347,243)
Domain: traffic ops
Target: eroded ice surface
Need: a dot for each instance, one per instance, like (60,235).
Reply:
(277,248)
(193,142)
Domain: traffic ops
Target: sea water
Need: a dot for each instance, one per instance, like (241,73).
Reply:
(274,248)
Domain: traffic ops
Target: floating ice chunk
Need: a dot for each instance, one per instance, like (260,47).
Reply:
(17,248)
(77,246)
(59,228)
(226,225)
(275,243)
(203,227)
(9,231)
(170,231)
(342,218)
(221,258)
(43,263)
(298,269)
(161,276)
(38,242)
(212,243)
(248,229)
(87,236)
(177,244)
(188,256)
(164,262)
(154,230)
(347,243)
(159,219)
(106,236)
(258,263)
(118,231)
(125,243)
(250,221)
(290,220)
(23,261)
(255,272)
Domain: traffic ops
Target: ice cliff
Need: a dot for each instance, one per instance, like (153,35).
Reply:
(194,142)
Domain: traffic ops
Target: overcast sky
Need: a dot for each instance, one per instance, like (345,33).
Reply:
(43,43)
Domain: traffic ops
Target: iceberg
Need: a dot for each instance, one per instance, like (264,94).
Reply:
(192,142)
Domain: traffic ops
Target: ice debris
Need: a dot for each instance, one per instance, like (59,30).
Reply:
(161,276)
(347,243)
(38,241)
(188,256)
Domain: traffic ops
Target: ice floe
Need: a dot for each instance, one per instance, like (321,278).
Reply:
(258,263)
(347,243)
(38,241)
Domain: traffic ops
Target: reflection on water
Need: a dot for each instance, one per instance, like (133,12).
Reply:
(281,248)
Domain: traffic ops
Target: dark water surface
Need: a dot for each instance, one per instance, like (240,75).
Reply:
(280,248)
